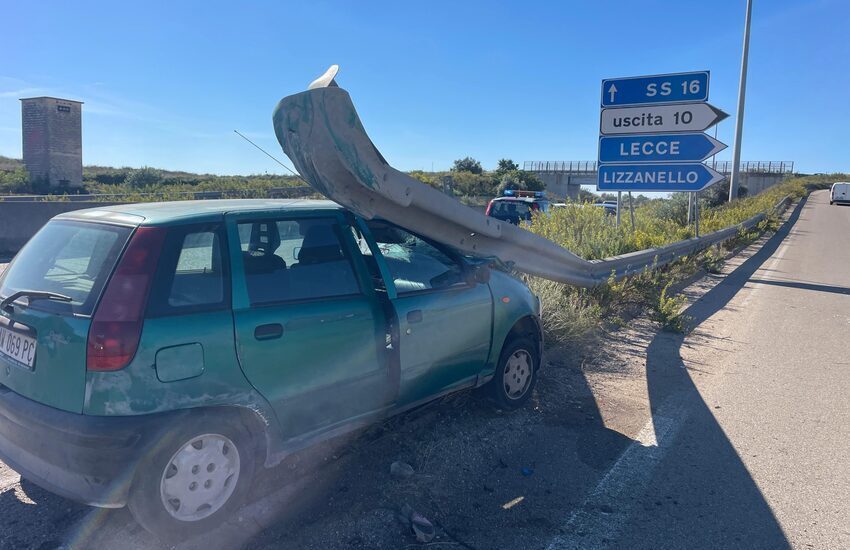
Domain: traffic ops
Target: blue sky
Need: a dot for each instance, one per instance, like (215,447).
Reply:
(166,83)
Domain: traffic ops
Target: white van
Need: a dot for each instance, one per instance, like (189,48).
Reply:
(840,193)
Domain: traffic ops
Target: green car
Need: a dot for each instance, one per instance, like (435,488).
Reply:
(157,355)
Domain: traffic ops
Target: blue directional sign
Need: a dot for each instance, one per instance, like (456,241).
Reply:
(656,177)
(694,147)
(644,90)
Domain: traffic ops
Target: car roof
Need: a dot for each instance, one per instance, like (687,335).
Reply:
(522,199)
(158,213)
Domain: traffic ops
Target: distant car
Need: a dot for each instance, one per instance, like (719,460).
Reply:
(158,355)
(609,207)
(840,193)
(518,206)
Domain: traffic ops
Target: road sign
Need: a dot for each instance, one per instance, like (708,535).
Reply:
(656,177)
(664,88)
(686,117)
(658,148)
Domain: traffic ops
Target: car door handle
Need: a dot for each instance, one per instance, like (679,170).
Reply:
(414,316)
(268,332)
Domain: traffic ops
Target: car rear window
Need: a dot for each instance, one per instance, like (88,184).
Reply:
(66,257)
(192,275)
(512,209)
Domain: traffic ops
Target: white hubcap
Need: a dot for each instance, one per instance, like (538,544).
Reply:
(200,477)
(517,375)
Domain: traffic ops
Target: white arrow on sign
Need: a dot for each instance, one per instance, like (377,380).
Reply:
(658,119)
(612,90)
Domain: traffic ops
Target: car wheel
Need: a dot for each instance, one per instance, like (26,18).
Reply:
(516,373)
(194,477)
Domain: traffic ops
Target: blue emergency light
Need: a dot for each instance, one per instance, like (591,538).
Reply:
(527,194)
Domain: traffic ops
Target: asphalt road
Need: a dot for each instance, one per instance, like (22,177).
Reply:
(751,409)
(736,435)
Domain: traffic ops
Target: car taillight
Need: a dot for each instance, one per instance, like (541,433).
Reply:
(489,207)
(117,324)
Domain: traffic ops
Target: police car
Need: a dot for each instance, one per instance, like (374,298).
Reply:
(518,206)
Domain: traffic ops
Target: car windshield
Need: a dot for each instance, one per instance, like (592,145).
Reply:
(69,258)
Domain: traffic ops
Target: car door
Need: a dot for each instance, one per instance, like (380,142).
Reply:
(444,317)
(311,337)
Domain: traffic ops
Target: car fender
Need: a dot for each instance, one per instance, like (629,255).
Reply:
(512,303)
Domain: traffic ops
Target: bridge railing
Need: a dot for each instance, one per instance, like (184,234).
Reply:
(573,166)
(755,166)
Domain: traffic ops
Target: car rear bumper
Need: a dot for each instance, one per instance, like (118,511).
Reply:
(89,459)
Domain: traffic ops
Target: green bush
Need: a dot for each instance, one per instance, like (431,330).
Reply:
(467,164)
(14,181)
(143,177)
(667,311)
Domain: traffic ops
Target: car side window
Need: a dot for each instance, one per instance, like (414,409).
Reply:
(295,259)
(192,273)
(414,263)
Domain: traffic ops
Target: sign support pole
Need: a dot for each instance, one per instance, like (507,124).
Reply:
(619,204)
(690,207)
(696,214)
(739,116)
(632,210)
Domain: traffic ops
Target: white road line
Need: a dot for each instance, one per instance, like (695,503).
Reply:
(774,262)
(610,504)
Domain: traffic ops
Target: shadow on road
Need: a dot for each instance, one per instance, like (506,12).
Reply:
(804,286)
(701,482)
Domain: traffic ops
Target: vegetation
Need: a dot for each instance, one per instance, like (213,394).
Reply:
(467,164)
(570,312)
(139,183)
(467,178)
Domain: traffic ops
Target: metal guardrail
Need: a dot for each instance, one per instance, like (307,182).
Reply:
(637,262)
(322,134)
(724,167)
(271,193)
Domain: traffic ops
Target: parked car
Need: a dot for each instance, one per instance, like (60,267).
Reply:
(158,355)
(608,207)
(517,206)
(840,193)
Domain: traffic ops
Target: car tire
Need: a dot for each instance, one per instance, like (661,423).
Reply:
(208,461)
(516,373)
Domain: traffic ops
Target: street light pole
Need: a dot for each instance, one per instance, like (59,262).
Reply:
(739,118)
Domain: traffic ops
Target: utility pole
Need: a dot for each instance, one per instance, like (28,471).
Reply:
(739,116)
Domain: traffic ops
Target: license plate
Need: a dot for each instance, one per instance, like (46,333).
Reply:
(17,346)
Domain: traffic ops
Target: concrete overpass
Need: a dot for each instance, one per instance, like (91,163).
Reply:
(565,178)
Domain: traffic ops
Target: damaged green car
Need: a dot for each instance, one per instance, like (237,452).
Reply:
(157,355)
